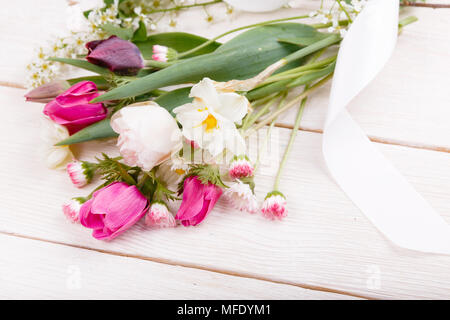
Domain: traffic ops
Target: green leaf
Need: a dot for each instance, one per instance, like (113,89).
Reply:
(98,130)
(174,99)
(241,58)
(141,33)
(86,13)
(83,64)
(304,41)
(101,82)
(102,129)
(112,30)
(179,41)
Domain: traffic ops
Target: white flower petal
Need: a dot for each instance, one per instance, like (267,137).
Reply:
(232,106)
(206,91)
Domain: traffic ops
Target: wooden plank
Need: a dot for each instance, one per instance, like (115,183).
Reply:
(406,104)
(31,269)
(325,242)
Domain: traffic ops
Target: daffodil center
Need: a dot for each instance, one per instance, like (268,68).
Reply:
(180,171)
(210,122)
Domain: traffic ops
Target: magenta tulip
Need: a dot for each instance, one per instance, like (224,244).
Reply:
(198,200)
(118,55)
(72,108)
(112,210)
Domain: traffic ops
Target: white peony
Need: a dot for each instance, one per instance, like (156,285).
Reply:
(148,134)
(210,120)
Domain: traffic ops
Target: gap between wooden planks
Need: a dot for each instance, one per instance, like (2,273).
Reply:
(32,269)
(324,243)
(318,292)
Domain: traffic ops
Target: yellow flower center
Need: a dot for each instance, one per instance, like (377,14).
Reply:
(210,122)
(180,171)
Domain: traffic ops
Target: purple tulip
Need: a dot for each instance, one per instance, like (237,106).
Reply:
(118,55)
(112,210)
(198,200)
(72,108)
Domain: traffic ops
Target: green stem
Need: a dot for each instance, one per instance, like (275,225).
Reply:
(290,143)
(207,43)
(313,65)
(125,175)
(330,24)
(141,183)
(288,105)
(345,11)
(328,41)
(157,64)
(261,112)
(185,7)
(408,20)
(312,75)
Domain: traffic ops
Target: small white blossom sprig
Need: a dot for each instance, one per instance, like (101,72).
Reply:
(127,14)
(340,10)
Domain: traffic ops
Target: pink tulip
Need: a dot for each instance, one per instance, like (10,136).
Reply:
(72,108)
(198,200)
(112,210)
(118,55)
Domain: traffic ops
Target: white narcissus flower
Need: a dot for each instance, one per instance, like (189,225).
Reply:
(56,157)
(172,171)
(241,196)
(148,134)
(210,119)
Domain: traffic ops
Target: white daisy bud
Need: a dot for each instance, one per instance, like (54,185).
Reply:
(241,196)
(71,209)
(240,167)
(274,206)
(159,216)
(80,173)
(163,53)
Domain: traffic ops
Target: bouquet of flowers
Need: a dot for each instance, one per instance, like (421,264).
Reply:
(189,143)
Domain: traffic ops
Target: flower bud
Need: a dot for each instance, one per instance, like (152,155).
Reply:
(73,109)
(71,209)
(80,173)
(241,196)
(159,216)
(163,53)
(240,167)
(274,206)
(120,56)
(47,92)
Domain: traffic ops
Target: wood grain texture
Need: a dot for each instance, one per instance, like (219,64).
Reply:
(32,269)
(324,243)
(406,104)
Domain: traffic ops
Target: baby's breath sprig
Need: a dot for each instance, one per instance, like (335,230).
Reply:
(127,14)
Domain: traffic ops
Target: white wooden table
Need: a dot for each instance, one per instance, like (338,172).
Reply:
(325,249)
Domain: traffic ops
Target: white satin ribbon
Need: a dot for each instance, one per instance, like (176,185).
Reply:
(368,179)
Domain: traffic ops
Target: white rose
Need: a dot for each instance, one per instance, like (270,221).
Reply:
(148,134)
